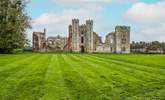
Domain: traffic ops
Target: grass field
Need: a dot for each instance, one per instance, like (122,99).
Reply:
(34,76)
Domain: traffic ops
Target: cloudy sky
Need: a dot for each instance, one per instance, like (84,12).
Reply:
(146,17)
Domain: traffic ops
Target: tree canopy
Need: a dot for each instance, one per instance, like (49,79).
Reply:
(13,24)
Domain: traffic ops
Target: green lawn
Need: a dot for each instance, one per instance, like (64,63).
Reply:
(34,76)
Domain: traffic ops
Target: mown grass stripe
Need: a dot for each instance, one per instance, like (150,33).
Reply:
(13,78)
(54,82)
(79,85)
(11,69)
(103,80)
(141,59)
(10,65)
(154,71)
(120,80)
(12,58)
(150,64)
(31,84)
(143,85)
(141,74)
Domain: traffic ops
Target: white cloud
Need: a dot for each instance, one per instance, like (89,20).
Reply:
(149,18)
(57,23)
(143,12)
(125,1)
(154,30)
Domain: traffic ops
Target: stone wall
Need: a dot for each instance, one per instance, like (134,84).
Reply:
(110,42)
(39,41)
(116,42)
(122,35)
(56,44)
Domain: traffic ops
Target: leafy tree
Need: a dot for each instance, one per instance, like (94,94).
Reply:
(13,24)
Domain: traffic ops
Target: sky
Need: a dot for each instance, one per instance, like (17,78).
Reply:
(145,17)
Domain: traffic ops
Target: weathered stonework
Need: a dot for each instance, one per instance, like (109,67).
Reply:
(39,41)
(82,38)
(56,44)
(110,43)
(51,44)
(122,35)
(116,42)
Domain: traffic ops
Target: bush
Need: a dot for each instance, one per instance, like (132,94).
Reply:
(5,51)
(10,51)
(17,51)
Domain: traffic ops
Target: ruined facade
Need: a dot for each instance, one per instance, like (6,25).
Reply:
(82,38)
(116,42)
(50,44)
(57,44)
(39,41)
(122,39)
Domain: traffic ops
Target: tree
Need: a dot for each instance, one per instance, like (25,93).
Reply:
(13,24)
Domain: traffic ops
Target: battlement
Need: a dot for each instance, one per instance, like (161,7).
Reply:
(75,21)
(89,22)
(122,28)
(112,33)
(83,26)
(70,25)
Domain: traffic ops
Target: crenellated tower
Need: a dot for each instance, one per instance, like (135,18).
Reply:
(75,35)
(89,36)
(122,39)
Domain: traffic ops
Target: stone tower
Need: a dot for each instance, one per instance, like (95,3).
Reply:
(69,44)
(89,36)
(122,39)
(75,36)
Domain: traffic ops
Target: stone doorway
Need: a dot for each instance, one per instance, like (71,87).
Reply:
(82,49)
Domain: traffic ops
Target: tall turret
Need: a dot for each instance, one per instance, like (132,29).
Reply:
(89,36)
(45,31)
(75,35)
(122,34)
(69,45)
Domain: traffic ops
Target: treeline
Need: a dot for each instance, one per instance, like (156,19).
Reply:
(13,24)
(148,47)
(142,43)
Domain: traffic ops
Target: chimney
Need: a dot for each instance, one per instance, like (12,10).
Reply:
(44,30)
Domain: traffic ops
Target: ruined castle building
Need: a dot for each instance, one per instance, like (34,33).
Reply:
(82,38)
(122,35)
